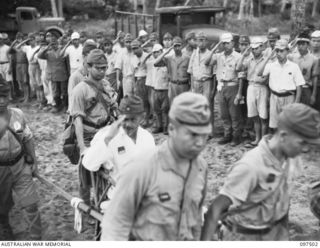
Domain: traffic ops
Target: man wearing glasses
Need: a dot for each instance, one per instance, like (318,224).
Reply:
(285,81)
(177,65)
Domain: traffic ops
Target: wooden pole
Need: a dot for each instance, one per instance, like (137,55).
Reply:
(82,206)
(298,16)
(54,8)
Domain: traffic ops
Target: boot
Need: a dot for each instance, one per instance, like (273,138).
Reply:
(158,128)
(57,107)
(34,221)
(6,233)
(236,141)
(64,104)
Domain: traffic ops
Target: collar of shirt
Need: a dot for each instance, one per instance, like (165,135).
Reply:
(172,162)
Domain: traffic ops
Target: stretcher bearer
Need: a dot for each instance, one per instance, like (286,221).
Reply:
(309,67)
(229,89)
(257,92)
(315,48)
(125,64)
(17,165)
(140,74)
(285,81)
(253,203)
(177,64)
(159,195)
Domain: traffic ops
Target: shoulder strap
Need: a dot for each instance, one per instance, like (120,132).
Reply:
(241,210)
(100,98)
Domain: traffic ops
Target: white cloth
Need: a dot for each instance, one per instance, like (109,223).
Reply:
(284,77)
(4,50)
(77,214)
(75,56)
(120,150)
(30,51)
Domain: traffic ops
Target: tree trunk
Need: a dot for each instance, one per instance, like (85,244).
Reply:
(225,3)
(298,16)
(54,8)
(259,8)
(283,5)
(60,8)
(158,4)
(250,6)
(241,9)
(314,8)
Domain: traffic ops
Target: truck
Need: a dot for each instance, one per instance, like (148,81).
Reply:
(178,20)
(27,20)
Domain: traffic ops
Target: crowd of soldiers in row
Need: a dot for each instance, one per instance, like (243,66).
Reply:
(160,191)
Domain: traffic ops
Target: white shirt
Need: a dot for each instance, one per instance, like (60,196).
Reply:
(30,51)
(284,77)
(75,56)
(4,49)
(120,150)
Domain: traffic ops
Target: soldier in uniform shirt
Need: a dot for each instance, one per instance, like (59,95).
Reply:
(191,44)
(17,165)
(159,195)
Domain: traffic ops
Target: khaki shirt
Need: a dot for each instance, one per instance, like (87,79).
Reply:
(9,145)
(251,180)
(308,65)
(177,67)
(139,69)
(126,62)
(226,66)
(151,202)
(250,66)
(197,67)
(84,103)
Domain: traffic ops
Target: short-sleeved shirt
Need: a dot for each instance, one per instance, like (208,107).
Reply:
(20,56)
(118,153)
(157,77)
(4,51)
(308,65)
(111,58)
(56,66)
(78,76)
(251,180)
(226,66)
(317,55)
(156,200)
(126,62)
(197,67)
(10,147)
(282,78)
(84,103)
(140,69)
(150,71)
(30,51)
(250,66)
(75,56)
(177,67)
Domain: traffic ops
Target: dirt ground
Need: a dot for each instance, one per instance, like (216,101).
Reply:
(58,216)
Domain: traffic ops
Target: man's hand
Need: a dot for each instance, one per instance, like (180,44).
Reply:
(114,129)
(82,149)
(237,99)
(247,52)
(118,85)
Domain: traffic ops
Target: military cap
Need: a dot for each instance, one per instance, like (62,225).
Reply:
(135,44)
(226,37)
(177,40)
(256,42)
(75,36)
(107,41)
(273,34)
(201,35)
(303,37)
(88,46)
(167,36)
(31,36)
(142,33)
(244,39)
(154,36)
(96,56)
(128,37)
(315,34)
(19,35)
(190,35)
(302,120)
(5,36)
(131,105)
(192,110)
(282,44)
(121,34)
(42,33)
(157,48)
(99,34)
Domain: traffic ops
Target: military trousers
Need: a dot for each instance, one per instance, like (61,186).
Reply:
(230,113)
(176,89)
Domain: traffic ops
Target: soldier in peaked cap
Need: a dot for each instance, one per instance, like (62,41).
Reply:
(160,194)
(17,165)
(256,192)
(113,147)
(191,43)
(89,116)
(177,64)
